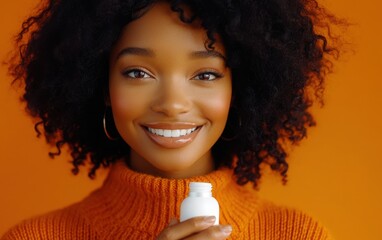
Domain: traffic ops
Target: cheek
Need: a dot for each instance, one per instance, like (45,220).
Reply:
(216,108)
(125,104)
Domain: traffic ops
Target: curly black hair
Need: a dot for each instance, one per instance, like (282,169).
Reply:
(277,51)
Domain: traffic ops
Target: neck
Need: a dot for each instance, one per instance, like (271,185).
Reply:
(201,167)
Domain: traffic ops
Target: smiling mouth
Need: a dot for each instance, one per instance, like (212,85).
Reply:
(171,133)
(172,138)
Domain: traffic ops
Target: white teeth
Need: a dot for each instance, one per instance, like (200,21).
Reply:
(167,133)
(175,133)
(159,131)
(171,132)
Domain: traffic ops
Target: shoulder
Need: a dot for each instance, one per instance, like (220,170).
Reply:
(66,223)
(277,222)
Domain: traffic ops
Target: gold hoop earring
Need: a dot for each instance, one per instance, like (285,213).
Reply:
(105,129)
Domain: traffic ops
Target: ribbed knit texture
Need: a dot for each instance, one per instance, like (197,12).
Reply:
(131,205)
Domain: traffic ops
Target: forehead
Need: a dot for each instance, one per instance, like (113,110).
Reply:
(161,29)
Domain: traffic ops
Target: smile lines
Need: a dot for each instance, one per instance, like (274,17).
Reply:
(171,132)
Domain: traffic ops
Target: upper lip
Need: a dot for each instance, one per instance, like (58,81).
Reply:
(171,125)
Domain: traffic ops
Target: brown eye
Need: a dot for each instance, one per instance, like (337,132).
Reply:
(207,76)
(136,73)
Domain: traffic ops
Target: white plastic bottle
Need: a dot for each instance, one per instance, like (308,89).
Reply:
(199,202)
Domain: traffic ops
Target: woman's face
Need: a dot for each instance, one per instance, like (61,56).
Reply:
(170,96)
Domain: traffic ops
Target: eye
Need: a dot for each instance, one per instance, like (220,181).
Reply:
(207,76)
(136,73)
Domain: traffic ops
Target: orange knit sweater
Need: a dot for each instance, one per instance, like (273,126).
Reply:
(131,205)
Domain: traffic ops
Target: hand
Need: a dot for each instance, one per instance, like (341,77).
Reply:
(195,228)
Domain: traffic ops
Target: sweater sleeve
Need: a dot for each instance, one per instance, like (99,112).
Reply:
(284,223)
(56,225)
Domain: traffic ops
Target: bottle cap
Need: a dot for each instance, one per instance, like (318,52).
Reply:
(200,188)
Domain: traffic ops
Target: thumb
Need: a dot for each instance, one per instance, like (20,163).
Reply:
(173,221)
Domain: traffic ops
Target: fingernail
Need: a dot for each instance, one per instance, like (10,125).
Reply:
(226,230)
(209,219)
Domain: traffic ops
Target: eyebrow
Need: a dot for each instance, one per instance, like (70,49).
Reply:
(146,52)
(136,51)
(207,54)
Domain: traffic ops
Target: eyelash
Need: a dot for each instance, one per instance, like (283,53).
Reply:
(215,74)
(129,71)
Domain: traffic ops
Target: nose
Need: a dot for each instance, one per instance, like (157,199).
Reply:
(172,98)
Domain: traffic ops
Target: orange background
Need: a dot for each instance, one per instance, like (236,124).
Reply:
(335,175)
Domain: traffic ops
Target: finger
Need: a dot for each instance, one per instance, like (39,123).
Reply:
(173,221)
(213,233)
(186,228)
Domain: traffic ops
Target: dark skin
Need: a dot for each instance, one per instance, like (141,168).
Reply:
(160,86)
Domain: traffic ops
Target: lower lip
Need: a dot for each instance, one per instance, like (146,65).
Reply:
(173,142)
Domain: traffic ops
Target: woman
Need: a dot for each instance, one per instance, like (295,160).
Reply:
(169,92)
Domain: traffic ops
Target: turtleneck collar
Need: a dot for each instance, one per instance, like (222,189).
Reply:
(147,203)
(130,182)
